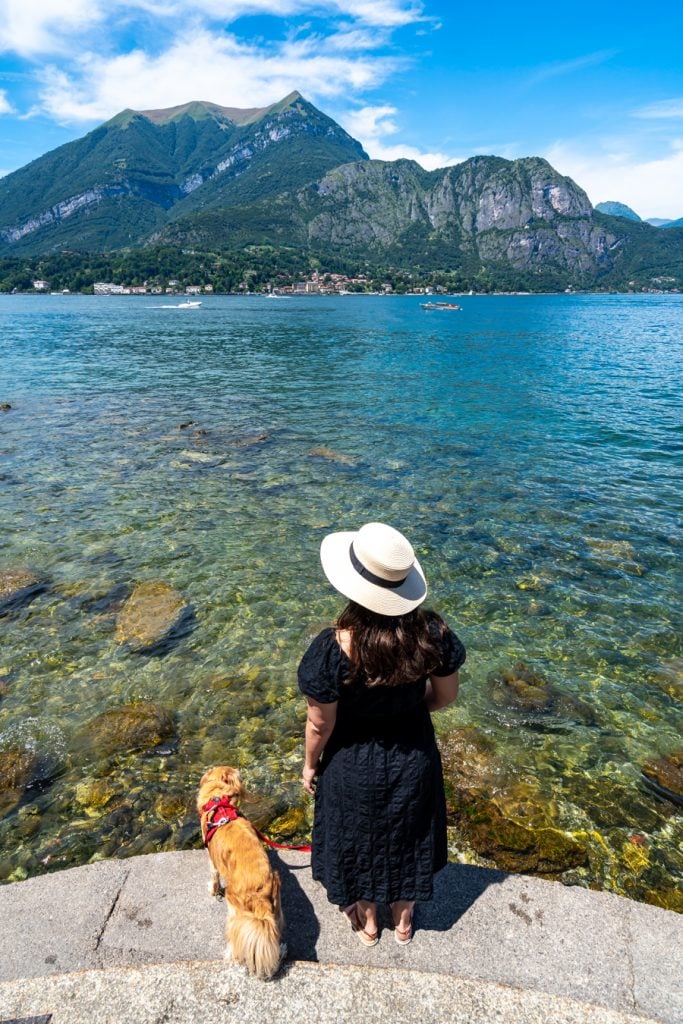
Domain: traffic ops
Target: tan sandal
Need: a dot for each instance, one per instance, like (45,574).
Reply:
(404,936)
(351,915)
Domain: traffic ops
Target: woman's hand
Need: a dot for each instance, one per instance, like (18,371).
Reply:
(308,777)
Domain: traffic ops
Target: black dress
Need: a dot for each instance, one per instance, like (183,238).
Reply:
(379,829)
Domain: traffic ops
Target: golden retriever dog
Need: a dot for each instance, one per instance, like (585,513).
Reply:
(255,926)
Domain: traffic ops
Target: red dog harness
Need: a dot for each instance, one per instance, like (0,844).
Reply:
(219,811)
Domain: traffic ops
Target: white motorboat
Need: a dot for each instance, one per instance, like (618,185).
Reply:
(440,305)
(190,304)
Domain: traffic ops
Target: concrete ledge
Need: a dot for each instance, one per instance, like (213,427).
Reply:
(188,993)
(483,927)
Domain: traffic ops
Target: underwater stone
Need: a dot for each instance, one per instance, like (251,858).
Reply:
(17,588)
(5,407)
(665,775)
(469,765)
(94,794)
(523,691)
(514,847)
(250,440)
(139,726)
(17,769)
(152,612)
(322,452)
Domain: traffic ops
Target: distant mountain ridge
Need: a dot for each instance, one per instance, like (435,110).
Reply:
(212,178)
(618,210)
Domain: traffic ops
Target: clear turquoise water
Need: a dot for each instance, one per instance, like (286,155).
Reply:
(529,446)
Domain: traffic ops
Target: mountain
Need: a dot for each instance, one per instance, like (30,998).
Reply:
(658,222)
(617,210)
(519,213)
(673,223)
(120,182)
(216,179)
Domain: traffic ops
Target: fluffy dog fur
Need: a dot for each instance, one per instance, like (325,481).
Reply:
(254,925)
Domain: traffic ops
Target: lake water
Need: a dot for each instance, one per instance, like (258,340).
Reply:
(529,446)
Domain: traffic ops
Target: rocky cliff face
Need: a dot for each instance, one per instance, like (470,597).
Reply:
(521,212)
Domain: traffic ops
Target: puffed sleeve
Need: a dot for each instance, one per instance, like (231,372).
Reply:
(320,669)
(452,654)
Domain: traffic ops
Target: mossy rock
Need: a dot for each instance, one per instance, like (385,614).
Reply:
(469,766)
(17,771)
(533,699)
(514,847)
(665,775)
(140,726)
(152,613)
(668,676)
(524,803)
(94,794)
(290,824)
(260,810)
(172,806)
(18,587)
(669,899)
(615,552)
(611,804)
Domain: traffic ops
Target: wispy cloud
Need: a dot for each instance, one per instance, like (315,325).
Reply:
(36,27)
(568,67)
(372,125)
(661,109)
(5,105)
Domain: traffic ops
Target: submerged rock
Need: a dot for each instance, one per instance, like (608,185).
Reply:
(139,726)
(321,452)
(17,769)
(18,587)
(5,407)
(533,699)
(665,776)
(151,614)
(250,440)
(615,552)
(469,766)
(515,847)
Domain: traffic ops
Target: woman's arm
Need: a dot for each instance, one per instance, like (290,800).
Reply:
(320,722)
(441,691)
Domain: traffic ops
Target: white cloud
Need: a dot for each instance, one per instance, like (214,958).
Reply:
(205,66)
(650,187)
(44,26)
(5,105)
(371,126)
(661,109)
(34,27)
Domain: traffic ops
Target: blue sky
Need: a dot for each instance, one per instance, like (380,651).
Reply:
(595,88)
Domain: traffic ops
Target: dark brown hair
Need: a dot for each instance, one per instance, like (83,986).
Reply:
(392,649)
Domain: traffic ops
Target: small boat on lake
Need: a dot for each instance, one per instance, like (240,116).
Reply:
(440,305)
(187,305)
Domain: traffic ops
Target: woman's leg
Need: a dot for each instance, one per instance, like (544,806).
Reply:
(367,916)
(402,915)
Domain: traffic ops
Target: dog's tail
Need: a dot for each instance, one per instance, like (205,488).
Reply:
(255,935)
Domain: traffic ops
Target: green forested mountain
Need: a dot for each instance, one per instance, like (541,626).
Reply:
(120,182)
(208,179)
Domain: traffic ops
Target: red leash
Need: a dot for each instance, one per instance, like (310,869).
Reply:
(222,806)
(280,846)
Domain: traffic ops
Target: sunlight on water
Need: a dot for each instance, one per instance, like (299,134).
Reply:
(528,446)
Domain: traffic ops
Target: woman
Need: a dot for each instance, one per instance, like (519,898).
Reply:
(379,832)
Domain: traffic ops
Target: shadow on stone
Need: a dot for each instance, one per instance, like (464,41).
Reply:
(302,927)
(456,888)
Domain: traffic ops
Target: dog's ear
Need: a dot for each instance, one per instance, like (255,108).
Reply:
(233,780)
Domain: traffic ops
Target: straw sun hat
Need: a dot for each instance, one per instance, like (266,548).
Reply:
(376,567)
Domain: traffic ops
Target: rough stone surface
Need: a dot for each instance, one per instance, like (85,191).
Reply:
(151,613)
(181,993)
(483,926)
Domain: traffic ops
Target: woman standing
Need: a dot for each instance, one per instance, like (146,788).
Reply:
(379,831)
